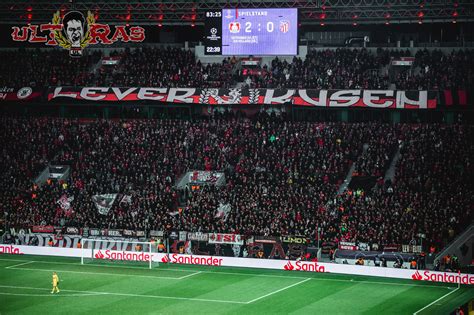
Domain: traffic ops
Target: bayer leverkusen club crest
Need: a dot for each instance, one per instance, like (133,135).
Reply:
(234,27)
(74,32)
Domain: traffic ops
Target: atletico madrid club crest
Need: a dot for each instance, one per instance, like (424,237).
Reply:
(284,26)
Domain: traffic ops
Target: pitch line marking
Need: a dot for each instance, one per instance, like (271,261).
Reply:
(96,273)
(49,295)
(242,274)
(94,265)
(421,309)
(279,290)
(131,295)
(190,275)
(14,266)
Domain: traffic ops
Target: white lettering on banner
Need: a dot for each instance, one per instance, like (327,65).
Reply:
(148,94)
(121,95)
(348,245)
(323,96)
(426,275)
(270,99)
(198,236)
(370,96)
(403,100)
(91,95)
(184,98)
(57,93)
(344,98)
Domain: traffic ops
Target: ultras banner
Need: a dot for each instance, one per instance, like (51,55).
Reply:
(315,98)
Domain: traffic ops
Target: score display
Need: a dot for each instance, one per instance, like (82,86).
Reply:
(252,32)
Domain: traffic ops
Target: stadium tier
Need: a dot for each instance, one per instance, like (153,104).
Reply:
(282,176)
(341,68)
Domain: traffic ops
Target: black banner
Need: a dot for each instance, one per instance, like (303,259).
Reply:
(131,233)
(276,250)
(105,232)
(154,233)
(72,230)
(295,239)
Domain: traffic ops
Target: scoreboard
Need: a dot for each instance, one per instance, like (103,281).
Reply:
(251,32)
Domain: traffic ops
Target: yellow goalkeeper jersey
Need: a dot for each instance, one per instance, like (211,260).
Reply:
(55,280)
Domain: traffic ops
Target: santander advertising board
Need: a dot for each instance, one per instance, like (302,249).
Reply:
(304,266)
(192,260)
(427,275)
(10,249)
(121,255)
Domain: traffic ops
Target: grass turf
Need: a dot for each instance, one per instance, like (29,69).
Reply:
(25,285)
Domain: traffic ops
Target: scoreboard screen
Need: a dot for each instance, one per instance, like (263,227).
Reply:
(252,32)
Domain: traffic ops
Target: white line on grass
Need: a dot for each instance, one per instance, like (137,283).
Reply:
(97,273)
(421,309)
(243,274)
(25,263)
(131,295)
(190,275)
(94,265)
(279,290)
(50,295)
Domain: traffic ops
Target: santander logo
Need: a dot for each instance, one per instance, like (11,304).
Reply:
(289,266)
(99,255)
(120,255)
(417,276)
(10,249)
(192,260)
(304,266)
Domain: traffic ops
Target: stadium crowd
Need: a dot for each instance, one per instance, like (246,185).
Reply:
(40,68)
(168,67)
(326,69)
(439,71)
(282,176)
(340,68)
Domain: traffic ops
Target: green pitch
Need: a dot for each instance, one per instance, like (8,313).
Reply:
(25,285)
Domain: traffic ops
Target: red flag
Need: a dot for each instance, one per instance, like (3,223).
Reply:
(448,98)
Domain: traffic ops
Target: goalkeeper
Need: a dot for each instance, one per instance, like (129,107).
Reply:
(55,282)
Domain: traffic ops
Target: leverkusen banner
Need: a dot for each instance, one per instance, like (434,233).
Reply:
(313,98)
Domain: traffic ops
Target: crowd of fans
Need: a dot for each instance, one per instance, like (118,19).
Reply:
(282,176)
(340,68)
(169,67)
(435,70)
(325,69)
(42,68)
(424,203)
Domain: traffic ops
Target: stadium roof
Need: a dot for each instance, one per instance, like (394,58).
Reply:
(185,12)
